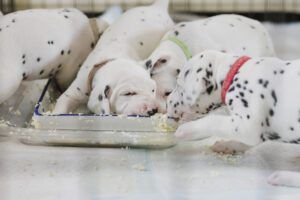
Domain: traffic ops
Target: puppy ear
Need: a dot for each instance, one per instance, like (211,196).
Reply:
(99,100)
(153,64)
(94,70)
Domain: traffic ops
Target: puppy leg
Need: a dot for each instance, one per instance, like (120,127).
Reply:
(75,95)
(280,156)
(285,178)
(10,80)
(212,124)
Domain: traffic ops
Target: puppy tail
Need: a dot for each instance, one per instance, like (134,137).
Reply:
(112,14)
(164,4)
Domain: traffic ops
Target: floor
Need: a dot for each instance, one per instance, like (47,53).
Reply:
(187,171)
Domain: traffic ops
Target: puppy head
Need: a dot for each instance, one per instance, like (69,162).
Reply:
(164,65)
(197,91)
(123,87)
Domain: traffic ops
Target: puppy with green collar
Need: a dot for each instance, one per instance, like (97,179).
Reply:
(225,33)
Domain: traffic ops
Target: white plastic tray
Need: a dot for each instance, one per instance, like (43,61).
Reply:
(96,130)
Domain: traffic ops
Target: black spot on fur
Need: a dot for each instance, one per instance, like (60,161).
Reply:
(245,103)
(24,76)
(100,97)
(186,73)
(292,128)
(199,70)
(176,33)
(177,71)
(62,52)
(231,89)
(41,72)
(262,96)
(267,122)
(148,64)
(271,112)
(106,91)
(273,136)
(92,45)
(273,94)
(38,59)
(209,89)
(69,52)
(78,89)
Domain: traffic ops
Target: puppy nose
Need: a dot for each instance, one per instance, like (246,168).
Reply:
(152,112)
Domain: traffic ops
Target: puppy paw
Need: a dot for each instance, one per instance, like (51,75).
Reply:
(284,178)
(229,147)
(189,131)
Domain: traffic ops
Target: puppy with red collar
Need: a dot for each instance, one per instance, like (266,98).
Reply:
(261,97)
(225,33)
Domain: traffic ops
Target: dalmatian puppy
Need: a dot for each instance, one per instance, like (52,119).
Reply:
(38,44)
(260,95)
(127,41)
(226,33)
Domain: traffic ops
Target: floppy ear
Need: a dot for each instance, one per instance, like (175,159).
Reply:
(94,70)
(156,63)
(99,100)
(195,85)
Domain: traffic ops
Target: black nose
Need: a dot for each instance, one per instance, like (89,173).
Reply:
(152,112)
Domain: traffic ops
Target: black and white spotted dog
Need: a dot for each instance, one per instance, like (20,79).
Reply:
(226,33)
(40,43)
(261,96)
(112,81)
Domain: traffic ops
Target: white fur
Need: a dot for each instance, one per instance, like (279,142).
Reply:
(37,44)
(230,33)
(262,101)
(132,37)
(123,83)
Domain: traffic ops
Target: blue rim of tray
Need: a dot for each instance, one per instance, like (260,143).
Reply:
(37,107)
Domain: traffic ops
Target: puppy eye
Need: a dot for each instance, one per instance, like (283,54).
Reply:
(130,94)
(163,60)
(167,93)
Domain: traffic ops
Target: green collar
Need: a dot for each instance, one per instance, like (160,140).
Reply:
(182,45)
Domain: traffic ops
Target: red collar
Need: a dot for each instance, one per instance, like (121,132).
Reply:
(230,75)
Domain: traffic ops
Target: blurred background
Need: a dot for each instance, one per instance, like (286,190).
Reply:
(264,10)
